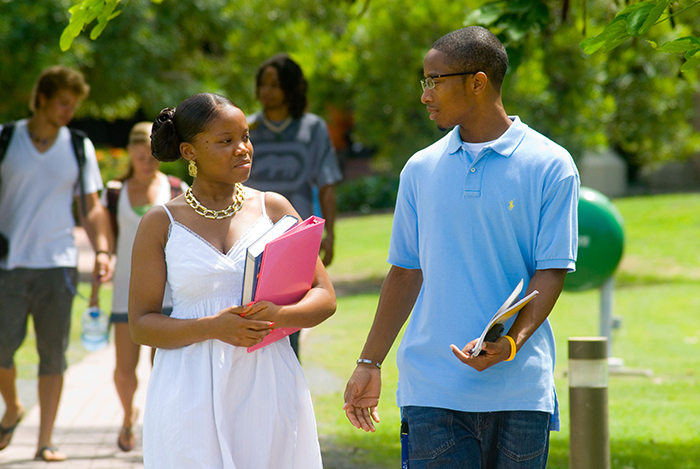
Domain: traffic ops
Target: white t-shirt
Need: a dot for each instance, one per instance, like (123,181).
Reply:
(128,222)
(36,199)
(473,149)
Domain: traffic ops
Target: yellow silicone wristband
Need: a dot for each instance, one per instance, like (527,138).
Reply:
(512,348)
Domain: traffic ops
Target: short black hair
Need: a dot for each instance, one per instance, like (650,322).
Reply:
(475,49)
(292,82)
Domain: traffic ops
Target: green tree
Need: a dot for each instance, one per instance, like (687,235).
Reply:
(636,20)
(29,32)
(366,56)
(627,95)
(154,54)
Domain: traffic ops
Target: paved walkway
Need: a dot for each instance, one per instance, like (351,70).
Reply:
(88,420)
(90,414)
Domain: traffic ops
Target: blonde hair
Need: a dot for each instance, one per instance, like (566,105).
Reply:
(57,78)
(140,133)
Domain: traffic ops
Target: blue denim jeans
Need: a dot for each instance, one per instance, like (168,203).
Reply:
(448,439)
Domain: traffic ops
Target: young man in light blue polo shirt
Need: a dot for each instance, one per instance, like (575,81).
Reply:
(491,203)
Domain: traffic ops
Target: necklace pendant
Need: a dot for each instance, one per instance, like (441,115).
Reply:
(41,141)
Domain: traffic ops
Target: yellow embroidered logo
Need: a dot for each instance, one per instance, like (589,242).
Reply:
(510,205)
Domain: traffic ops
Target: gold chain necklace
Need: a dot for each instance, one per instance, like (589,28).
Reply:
(216,214)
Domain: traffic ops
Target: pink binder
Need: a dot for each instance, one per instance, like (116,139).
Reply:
(287,270)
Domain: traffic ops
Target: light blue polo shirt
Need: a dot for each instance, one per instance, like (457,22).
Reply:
(475,228)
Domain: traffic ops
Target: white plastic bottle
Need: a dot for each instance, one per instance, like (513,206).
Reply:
(95,329)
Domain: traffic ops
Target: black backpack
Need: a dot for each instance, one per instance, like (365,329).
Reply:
(77,139)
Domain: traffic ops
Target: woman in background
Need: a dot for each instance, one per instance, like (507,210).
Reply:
(293,150)
(127,199)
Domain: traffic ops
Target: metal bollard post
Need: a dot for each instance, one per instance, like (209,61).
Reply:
(589,441)
(607,293)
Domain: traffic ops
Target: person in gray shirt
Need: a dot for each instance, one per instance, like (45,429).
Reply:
(293,150)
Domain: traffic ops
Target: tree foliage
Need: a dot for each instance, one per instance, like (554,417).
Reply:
(366,56)
(625,96)
(85,13)
(636,20)
(28,32)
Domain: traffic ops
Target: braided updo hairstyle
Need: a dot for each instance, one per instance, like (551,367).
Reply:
(176,125)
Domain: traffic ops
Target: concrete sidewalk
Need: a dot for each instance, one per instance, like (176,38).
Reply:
(90,414)
(88,421)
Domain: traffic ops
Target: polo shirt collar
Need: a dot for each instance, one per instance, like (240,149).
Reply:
(454,142)
(505,145)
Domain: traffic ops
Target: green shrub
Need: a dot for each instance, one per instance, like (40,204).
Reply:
(367,193)
(113,162)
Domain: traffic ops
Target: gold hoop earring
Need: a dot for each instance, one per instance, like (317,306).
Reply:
(192,168)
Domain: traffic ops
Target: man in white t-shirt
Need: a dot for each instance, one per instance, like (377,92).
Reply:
(39,179)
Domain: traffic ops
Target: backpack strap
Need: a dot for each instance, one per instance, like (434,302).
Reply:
(175,186)
(5,137)
(77,138)
(114,188)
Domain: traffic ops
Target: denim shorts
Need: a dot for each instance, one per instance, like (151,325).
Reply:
(47,295)
(448,439)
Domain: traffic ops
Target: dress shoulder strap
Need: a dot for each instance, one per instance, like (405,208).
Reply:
(170,215)
(262,203)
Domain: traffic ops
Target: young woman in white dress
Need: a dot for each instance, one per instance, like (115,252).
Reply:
(210,403)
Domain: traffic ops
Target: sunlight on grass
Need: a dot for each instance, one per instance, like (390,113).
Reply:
(661,238)
(334,346)
(362,245)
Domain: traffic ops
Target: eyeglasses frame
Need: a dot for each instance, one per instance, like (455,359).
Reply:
(424,84)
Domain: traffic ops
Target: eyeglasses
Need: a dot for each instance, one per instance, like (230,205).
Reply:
(429,82)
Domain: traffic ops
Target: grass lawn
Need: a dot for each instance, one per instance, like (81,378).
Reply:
(654,421)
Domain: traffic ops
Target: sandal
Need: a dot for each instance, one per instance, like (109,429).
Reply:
(127,440)
(4,432)
(49,454)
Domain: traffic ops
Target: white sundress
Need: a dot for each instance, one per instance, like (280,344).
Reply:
(213,405)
